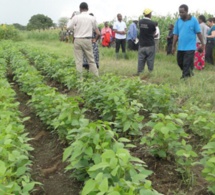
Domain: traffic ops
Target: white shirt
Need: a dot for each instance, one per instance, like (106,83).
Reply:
(82,25)
(157,33)
(119,26)
(204,31)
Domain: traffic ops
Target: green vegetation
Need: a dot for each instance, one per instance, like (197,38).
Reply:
(170,118)
(9,32)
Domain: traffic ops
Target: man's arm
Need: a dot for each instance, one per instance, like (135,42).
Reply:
(199,35)
(175,40)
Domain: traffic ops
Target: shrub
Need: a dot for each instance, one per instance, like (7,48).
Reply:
(9,32)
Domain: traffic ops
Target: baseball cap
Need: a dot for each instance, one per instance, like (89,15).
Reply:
(147,11)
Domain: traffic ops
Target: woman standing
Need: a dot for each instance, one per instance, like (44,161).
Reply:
(199,60)
(210,41)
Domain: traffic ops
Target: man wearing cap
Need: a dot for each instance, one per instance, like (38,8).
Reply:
(146,52)
(132,35)
(83,26)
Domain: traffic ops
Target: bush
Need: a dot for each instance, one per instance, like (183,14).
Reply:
(9,32)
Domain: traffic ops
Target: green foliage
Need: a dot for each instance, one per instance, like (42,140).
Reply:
(9,32)
(167,130)
(39,22)
(45,35)
(89,143)
(14,148)
(201,121)
(19,26)
(166,139)
(157,98)
(208,162)
(118,173)
(185,157)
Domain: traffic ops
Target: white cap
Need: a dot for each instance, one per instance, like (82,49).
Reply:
(135,18)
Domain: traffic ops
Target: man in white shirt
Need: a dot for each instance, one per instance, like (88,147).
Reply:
(83,26)
(120,35)
(157,37)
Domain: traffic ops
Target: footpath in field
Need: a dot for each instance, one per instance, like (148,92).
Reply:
(47,167)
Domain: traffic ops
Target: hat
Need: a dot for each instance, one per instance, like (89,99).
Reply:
(135,18)
(147,11)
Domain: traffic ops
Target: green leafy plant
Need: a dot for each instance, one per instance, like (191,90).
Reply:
(185,157)
(88,144)
(166,133)
(118,173)
(208,162)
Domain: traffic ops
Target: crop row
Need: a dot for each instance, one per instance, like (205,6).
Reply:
(96,151)
(14,147)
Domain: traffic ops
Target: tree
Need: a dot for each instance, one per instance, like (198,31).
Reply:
(62,21)
(19,26)
(39,22)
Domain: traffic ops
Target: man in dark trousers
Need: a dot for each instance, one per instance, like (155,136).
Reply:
(185,30)
(146,52)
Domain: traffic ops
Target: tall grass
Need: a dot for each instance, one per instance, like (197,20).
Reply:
(42,35)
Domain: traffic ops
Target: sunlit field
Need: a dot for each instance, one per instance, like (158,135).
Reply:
(116,134)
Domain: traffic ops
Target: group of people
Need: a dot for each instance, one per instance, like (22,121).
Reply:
(65,35)
(143,35)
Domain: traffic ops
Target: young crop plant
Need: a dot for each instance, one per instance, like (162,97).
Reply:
(185,158)
(88,143)
(208,162)
(201,122)
(167,139)
(118,172)
(167,131)
(15,160)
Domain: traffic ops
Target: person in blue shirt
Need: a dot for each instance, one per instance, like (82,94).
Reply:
(132,35)
(185,30)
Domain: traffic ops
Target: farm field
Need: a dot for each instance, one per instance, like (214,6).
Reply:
(119,134)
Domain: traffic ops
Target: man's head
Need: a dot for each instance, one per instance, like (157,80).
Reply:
(211,21)
(135,20)
(83,7)
(183,11)
(201,19)
(106,24)
(171,26)
(147,13)
(119,17)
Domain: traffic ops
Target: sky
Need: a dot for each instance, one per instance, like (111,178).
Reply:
(20,11)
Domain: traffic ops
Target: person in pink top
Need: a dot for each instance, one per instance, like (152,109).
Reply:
(106,35)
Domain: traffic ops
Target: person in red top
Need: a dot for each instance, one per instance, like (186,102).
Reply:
(106,37)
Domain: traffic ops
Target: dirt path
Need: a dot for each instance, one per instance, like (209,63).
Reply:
(47,165)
